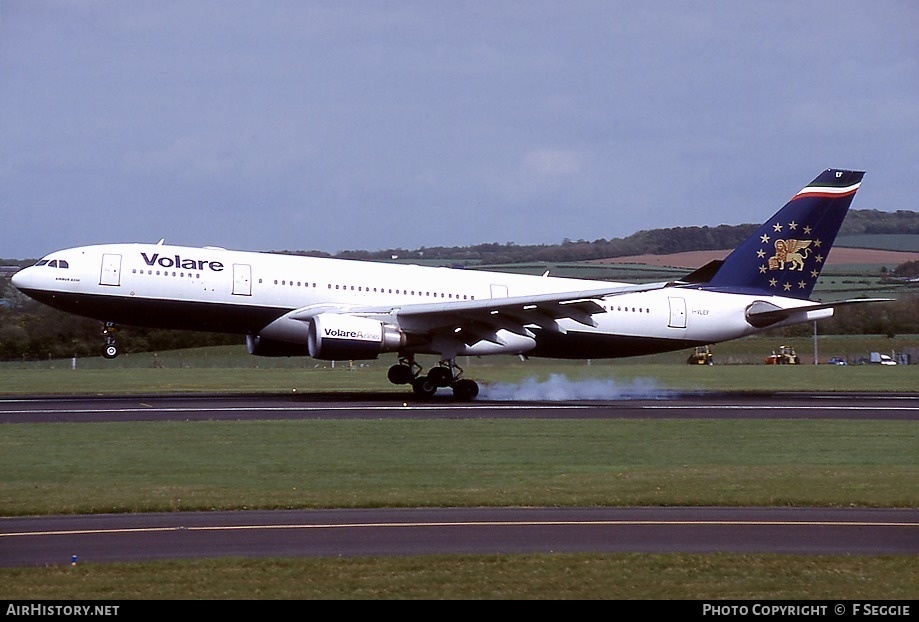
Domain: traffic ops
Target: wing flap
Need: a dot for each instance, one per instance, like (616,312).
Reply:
(513,314)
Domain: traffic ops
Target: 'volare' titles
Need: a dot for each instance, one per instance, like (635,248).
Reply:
(178,262)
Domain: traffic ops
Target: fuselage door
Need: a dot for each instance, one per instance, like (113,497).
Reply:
(677,313)
(499,291)
(111,270)
(242,279)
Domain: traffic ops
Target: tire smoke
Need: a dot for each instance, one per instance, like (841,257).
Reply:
(559,388)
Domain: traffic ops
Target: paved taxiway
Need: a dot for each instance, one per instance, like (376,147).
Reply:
(126,537)
(313,533)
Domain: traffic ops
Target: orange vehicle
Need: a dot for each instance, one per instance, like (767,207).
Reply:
(785,356)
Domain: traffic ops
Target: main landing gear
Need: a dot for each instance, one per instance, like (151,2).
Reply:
(110,350)
(446,374)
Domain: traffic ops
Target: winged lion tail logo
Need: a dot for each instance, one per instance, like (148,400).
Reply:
(790,251)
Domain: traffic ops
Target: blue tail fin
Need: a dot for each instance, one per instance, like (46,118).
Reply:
(786,254)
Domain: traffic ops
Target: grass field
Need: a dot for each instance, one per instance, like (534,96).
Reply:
(399,462)
(141,466)
(738,367)
(499,380)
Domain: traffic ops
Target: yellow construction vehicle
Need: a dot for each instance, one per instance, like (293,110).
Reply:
(785,356)
(702,355)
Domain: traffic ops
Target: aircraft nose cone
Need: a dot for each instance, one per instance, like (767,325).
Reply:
(20,279)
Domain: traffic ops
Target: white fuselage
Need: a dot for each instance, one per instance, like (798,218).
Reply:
(213,289)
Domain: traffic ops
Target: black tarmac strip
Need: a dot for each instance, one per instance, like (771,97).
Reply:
(265,406)
(55,540)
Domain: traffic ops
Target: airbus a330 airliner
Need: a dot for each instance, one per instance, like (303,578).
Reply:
(337,309)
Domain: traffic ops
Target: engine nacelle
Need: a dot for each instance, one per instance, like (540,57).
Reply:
(339,337)
(263,346)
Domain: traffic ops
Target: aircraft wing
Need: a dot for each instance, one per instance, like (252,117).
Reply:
(477,320)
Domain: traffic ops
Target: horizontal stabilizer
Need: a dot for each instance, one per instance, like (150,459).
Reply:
(704,274)
(762,314)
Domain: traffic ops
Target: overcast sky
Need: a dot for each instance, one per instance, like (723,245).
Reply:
(282,124)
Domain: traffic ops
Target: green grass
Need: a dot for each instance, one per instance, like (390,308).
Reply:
(479,577)
(625,378)
(738,367)
(393,462)
(141,466)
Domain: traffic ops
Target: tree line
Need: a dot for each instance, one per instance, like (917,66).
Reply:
(653,242)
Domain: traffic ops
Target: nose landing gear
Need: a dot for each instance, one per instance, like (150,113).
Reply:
(110,350)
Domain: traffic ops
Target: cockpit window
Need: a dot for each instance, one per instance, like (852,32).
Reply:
(53,263)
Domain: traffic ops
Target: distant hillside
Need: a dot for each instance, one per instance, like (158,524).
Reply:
(872,221)
(839,255)
(862,228)
(906,242)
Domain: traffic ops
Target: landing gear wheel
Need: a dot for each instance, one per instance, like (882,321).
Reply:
(110,350)
(465,389)
(400,374)
(423,387)
(440,376)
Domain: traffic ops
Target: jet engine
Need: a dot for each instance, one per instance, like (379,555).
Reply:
(338,337)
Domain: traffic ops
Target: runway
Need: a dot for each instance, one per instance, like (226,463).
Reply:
(32,541)
(199,407)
